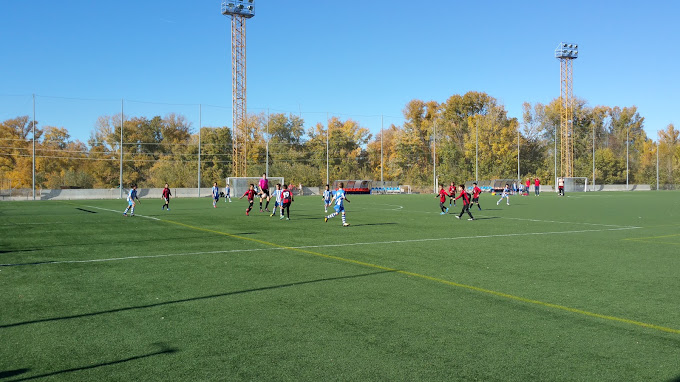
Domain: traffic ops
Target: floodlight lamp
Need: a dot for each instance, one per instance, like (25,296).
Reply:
(250,1)
(564,45)
(250,8)
(240,6)
(230,5)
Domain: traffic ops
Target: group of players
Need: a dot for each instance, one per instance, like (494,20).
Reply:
(283,198)
(467,199)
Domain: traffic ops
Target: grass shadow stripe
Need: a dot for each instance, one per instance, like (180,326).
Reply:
(192,299)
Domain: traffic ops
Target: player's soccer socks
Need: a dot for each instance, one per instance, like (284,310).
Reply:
(344,219)
(266,206)
(331,216)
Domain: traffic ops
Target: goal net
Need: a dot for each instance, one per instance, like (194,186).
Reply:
(575,184)
(239,185)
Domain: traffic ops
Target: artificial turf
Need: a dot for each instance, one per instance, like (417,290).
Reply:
(576,288)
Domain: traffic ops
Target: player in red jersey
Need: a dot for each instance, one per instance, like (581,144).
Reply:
(286,200)
(166,197)
(526,192)
(475,195)
(251,196)
(452,193)
(442,199)
(466,202)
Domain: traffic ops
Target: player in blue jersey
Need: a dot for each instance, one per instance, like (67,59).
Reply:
(132,196)
(505,194)
(339,198)
(227,194)
(215,194)
(327,194)
(277,199)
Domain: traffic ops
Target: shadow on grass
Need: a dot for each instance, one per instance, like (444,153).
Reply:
(84,210)
(164,349)
(19,250)
(13,373)
(676,379)
(226,294)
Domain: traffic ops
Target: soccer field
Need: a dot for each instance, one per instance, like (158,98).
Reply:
(576,288)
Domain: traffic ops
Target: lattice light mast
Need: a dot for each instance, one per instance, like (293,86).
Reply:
(566,53)
(239,11)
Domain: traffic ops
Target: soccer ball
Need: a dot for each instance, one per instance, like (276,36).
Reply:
(493,193)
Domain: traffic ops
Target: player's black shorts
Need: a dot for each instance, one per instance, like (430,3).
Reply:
(285,205)
(265,192)
(475,200)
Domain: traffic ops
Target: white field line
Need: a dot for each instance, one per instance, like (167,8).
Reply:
(325,246)
(106,209)
(577,223)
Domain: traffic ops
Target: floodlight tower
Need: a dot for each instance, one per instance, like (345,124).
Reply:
(239,11)
(566,53)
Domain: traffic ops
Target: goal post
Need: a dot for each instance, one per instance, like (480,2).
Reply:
(239,185)
(575,184)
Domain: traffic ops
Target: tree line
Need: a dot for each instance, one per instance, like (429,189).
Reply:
(465,135)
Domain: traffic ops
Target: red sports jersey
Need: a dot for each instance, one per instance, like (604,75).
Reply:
(250,194)
(166,193)
(452,190)
(442,195)
(465,196)
(528,184)
(537,182)
(476,191)
(285,196)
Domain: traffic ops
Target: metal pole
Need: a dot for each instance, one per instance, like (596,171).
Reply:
(434,157)
(555,179)
(627,130)
(200,126)
(121,148)
(382,181)
(328,128)
(33,147)
(593,157)
(476,151)
(518,178)
(267,157)
(657,166)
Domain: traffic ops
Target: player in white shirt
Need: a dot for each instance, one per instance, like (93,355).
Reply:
(505,194)
(339,199)
(327,195)
(227,193)
(215,194)
(132,196)
(277,199)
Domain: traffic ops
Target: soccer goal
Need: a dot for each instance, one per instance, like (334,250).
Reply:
(239,185)
(577,184)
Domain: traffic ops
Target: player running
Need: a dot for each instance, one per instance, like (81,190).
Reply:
(264,192)
(442,199)
(227,193)
(215,194)
(339,199)
(476,191)
(277,199)
(165,195)
(132,196)
(452,193)
(326,198)
(286,200)
(250,193)
(466,202)
(505,194)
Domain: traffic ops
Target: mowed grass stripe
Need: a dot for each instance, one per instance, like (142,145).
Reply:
(441,281)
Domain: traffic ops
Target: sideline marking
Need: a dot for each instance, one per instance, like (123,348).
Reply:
(441,281)
(653,239)
(277,247)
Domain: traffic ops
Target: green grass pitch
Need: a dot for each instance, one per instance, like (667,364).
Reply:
(577,288)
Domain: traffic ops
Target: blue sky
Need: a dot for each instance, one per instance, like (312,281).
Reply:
(352,59)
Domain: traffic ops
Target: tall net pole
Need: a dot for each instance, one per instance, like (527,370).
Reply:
(566,117)
(238,86)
